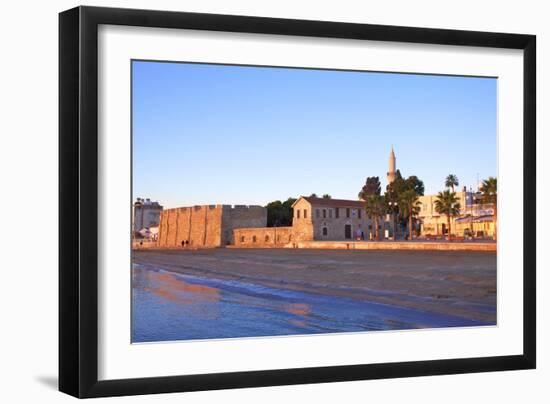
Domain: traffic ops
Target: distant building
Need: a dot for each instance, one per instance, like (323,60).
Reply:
(146,214)
(475,217)
(149,233)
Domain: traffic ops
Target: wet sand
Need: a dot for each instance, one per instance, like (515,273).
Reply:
(457,283)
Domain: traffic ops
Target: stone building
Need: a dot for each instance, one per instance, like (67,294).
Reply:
(207,225)
(314,219)
(146,214)
(330,219)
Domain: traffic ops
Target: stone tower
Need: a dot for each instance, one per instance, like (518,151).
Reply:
(391,167)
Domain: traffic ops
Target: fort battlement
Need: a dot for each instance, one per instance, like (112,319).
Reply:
(241,207)
(207,225)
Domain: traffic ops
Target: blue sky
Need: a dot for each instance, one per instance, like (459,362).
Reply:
(207,134)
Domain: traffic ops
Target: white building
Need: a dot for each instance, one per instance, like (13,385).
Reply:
(146,214)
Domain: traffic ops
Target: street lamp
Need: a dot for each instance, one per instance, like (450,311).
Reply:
(392,206)
(471,214)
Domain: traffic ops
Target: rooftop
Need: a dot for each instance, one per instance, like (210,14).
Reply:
(334,203)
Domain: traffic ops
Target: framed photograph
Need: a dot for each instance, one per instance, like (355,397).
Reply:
(250,201)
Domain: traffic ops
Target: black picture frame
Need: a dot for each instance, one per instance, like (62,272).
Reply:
(78,201)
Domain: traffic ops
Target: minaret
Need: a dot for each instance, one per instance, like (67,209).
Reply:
(391,167)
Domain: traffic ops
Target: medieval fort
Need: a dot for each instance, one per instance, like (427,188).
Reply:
(314,219)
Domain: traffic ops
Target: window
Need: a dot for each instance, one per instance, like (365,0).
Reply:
(266,238)
(359,213)
(253,239)
(347,212)
(298,213)
(324,213)
(325,231)
(336,213)
(317,213)
(330,213)
(242,239)
(305,213)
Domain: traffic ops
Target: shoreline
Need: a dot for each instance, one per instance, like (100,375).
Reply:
(464,295)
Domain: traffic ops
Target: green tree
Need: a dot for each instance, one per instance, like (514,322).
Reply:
(451,181)
(280,213)
(489,195)
(375,207)
(447,203)
(327,196)
(409,205)
(416,184)
(397,188)
(313,195)
(371,187)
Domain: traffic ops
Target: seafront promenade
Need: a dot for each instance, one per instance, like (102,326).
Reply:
(351,245)
(390,245)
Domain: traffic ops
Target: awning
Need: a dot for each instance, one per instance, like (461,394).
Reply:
(474,219)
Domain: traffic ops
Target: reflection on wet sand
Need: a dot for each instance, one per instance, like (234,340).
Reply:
(199,300)
(170,287)
(168,307)
(298,309)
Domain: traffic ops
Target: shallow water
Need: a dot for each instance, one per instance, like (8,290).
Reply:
(169,306)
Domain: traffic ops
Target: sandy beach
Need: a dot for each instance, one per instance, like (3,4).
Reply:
(457,283)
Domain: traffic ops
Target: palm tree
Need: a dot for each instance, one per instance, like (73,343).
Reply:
(375,206)
(489,195)
(409,205)
(451,181)
(447,203)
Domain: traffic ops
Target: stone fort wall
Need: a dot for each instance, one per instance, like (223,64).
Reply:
(207,225)
(263,236)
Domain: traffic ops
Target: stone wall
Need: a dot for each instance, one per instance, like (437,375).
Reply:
(241,216)
(200,226)
(263,237)
(207,225)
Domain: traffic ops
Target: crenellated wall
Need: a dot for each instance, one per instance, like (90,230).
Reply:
(206,225)
(241,216)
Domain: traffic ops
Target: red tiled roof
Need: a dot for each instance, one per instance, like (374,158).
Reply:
(334,203)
